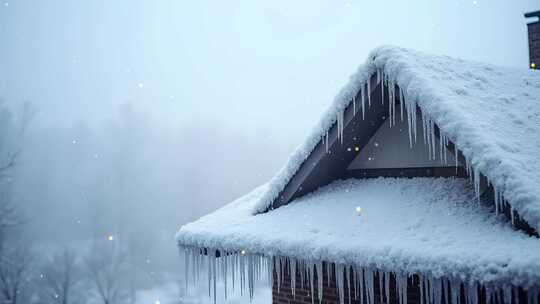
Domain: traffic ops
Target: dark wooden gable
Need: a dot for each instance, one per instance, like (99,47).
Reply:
(331,158)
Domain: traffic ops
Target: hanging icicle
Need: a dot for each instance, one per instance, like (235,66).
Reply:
(369,92)
(362,92)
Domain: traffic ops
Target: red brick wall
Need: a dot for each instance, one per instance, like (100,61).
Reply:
(534,43)
(330,292)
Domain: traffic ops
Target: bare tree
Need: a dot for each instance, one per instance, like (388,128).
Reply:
(13,129)
(60,275)
(106,265)
(14,273)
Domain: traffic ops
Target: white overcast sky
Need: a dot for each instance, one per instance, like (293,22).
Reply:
(253,65)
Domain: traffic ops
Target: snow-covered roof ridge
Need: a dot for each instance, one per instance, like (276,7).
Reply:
(491,113)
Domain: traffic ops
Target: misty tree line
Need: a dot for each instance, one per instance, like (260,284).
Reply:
(103,270)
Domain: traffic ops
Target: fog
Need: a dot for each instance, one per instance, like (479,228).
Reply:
(122,120)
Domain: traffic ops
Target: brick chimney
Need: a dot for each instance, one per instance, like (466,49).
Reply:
(534,40)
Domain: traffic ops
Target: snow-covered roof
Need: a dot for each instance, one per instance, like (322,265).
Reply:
(491,113)
(429,226)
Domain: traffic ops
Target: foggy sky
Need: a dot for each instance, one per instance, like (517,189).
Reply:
(165,110)
(241,62)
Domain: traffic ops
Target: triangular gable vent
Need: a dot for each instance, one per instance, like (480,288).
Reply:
(389,148)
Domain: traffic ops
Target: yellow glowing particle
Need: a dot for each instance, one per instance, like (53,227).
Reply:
(110,237)
(533,65)
(358,210)
(356,148)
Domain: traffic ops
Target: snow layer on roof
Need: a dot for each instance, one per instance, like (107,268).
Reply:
(491,113)
(424,225)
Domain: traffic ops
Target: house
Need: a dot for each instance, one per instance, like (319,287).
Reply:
(421,184)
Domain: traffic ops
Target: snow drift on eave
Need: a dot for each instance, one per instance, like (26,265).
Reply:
(491,113)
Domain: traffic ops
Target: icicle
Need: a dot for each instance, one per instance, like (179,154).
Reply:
(512,216)
(390,116)
(326,141)
(532,296)
(348,277)
(476,294)
(372,286)
(186,266)
(401,103)
(433,145)
(455,289)
(496,195)
(328,273)
(476,174)
(414,120)
(399,287)
(404,289)
(424,131)
(242,274)
(409,124)
(363,103)
(422,301)
(445,150)
(302,270)
(224,271)
(382,89)
(311,283)
(369,92)
(234,269)
(209,274)
(340,117)
(456,155)
(362,285)
(339,283)
(293,277)
(270,265)
(320,280)
(278,271)
(251,279)
(214,278)
(441,148)
(489,294)
(507,293)
(387,286)
(342,122)
(355,282)
(516,295)
(381,290)
(428,291)
(437,291)
(392,102)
